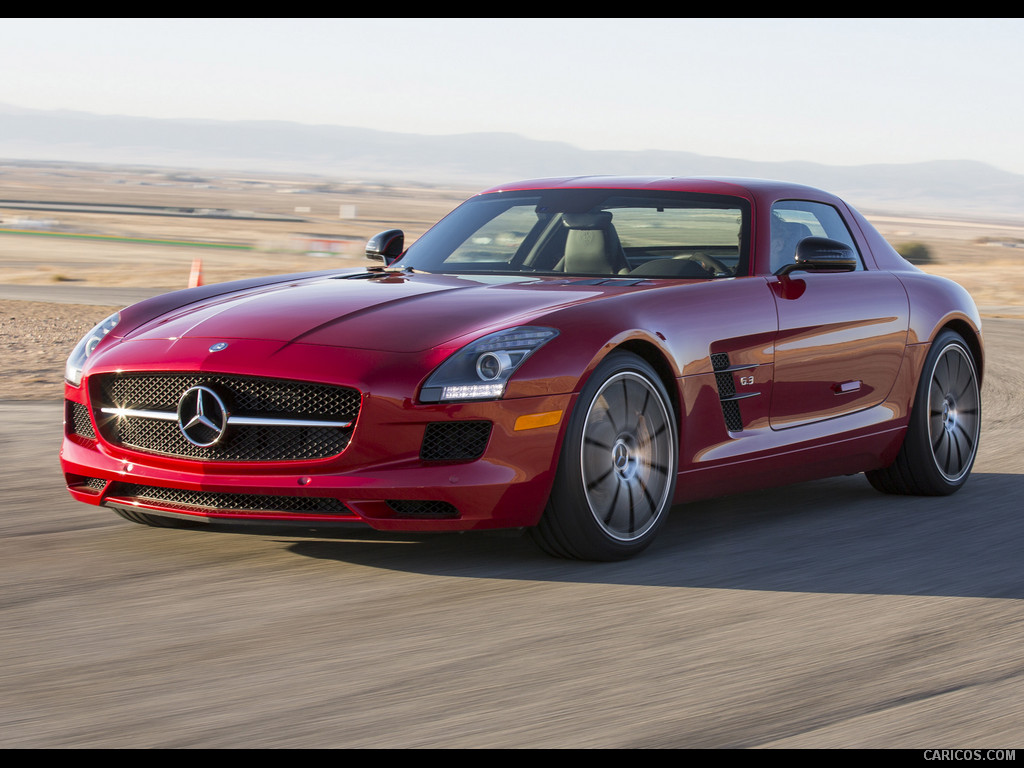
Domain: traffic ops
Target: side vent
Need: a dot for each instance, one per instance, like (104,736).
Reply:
(726,383)
(726,390)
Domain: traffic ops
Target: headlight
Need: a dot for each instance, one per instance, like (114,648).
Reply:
(84,348)
(480,370)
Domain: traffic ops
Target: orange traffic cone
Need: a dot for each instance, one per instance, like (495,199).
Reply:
(195,278)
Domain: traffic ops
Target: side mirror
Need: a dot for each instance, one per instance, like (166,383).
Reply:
(819,253)
(386,246)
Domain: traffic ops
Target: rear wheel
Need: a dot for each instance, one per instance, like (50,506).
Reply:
(617,472)
(942,438)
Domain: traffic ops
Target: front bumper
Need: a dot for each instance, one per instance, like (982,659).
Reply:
(384,478)
(506,487)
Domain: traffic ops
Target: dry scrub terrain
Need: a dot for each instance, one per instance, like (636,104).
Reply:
(35,337)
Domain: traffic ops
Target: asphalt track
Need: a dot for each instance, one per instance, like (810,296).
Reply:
(819,615)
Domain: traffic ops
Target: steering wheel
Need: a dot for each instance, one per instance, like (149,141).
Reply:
(710,263)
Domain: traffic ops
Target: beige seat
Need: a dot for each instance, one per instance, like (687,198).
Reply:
(592,245)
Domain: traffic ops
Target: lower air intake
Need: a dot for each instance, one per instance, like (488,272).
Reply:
(421,509)
(455,440)
(225,502)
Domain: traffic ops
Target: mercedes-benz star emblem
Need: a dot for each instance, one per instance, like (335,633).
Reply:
(202,416)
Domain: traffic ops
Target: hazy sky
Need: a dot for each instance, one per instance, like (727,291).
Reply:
(838,91)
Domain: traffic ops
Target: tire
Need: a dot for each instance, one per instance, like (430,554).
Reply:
(154,521)
(942,438)
(617,471)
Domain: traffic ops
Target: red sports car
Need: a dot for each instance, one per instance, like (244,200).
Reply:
(571,356)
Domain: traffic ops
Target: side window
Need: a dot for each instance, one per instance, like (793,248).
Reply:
(793,220)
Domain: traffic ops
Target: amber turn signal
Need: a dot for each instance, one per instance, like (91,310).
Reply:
(534,420)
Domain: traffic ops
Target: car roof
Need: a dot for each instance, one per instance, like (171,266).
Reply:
(763,189)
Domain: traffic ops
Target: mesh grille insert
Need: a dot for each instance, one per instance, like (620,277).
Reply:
(244,396)
(242,502)
(406,508)
(727,388)
(455,440)
(726,384)
(731,411)
(78,420)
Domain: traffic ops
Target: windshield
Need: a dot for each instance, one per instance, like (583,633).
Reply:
(589,232)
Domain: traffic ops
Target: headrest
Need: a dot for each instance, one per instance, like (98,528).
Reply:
(599,220)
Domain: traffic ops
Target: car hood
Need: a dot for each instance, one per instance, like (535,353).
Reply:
(398,313)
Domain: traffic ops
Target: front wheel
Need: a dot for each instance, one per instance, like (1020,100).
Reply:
(617,471)
(942,437)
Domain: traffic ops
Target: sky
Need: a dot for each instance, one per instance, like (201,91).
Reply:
(834,91)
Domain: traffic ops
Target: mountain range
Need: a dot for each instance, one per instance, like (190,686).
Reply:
(940,187)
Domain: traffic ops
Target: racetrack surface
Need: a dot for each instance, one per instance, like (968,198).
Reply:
(819,615)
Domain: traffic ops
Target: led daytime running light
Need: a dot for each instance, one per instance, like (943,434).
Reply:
(481,369)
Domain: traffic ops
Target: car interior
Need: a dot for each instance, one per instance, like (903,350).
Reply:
(642,238)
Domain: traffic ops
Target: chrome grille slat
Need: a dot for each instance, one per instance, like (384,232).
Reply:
(248,421)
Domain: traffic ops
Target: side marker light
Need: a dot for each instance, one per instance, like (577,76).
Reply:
(535,420)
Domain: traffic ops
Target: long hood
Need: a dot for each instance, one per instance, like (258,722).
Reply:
(398,313)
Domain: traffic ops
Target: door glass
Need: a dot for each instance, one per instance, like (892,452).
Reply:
(793,220)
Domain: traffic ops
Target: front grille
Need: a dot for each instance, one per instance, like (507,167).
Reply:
(455,440)
(245,396)
(222,502)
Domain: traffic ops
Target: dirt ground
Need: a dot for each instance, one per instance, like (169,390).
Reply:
(64,249)
(35,340)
